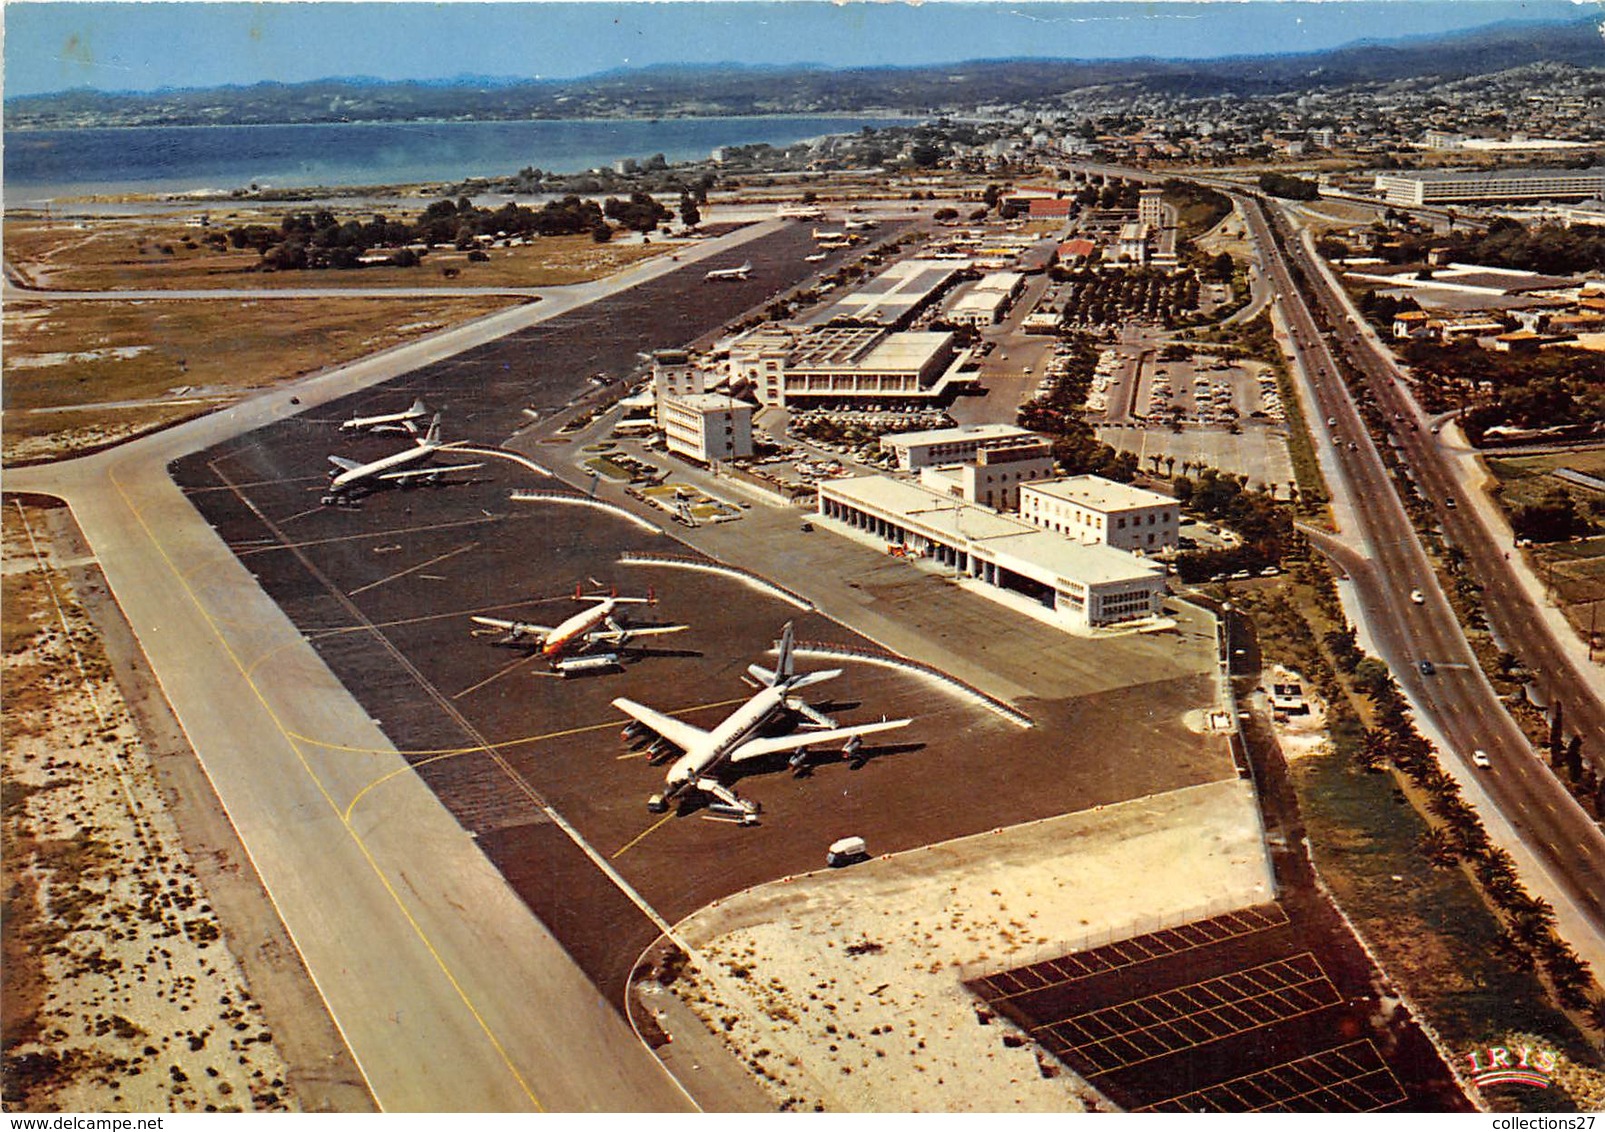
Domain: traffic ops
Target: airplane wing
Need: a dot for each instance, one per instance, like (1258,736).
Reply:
(427,473)
(343,464)
(757,748)
(618,636)
(515,630)
(682,735)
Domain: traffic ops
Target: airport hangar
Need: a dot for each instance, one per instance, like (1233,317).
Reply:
(527,765)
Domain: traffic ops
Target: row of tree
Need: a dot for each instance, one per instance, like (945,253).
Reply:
(320,239)
(1058,415)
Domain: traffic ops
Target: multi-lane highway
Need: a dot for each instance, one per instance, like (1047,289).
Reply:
(1386,561)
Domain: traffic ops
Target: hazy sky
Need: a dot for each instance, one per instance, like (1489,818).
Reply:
(143,46)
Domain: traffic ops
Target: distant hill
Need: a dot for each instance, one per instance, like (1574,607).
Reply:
(734,89)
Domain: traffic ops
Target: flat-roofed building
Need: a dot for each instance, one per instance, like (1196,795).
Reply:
(994,478)
(1132,244)
(1077,586)
(978,308)
(892,298)
(1151,207)
(707,427)
(1091,509)
(803,366)
(1444,186)
(957,445)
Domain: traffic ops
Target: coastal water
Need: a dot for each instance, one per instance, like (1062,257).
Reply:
(48,164)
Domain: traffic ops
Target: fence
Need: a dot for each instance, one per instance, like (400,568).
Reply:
(892,660)
(570,497)
(687,562)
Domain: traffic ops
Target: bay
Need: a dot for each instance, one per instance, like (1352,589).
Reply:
(46,164)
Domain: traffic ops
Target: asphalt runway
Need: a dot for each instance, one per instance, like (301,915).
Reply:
(531,764)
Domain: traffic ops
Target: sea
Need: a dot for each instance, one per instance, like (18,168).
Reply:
(44,165)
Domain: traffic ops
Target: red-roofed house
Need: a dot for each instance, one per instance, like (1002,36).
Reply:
(1076,251)
(1050,209)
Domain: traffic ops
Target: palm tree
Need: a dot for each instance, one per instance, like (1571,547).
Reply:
(1170,466)
(1439,847)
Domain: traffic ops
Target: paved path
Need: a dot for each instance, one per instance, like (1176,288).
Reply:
(451,995)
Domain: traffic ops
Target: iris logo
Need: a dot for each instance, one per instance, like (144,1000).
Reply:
(1518,1065)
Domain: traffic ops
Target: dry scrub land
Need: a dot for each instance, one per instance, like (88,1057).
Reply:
(119,992)
(83,374)
(168,254)
(80,374)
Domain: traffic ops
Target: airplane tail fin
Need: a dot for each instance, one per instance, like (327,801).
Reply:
(419,407)
(785,667)
(432,437)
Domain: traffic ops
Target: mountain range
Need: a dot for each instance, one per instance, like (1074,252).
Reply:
(736,89)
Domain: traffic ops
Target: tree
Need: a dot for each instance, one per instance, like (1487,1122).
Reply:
(690,215)
(602,233)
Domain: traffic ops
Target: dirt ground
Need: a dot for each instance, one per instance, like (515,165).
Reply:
(843,989)
(170,253)
(81,375)
(119,991)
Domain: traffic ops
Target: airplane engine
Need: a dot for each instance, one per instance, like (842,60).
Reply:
(852,746)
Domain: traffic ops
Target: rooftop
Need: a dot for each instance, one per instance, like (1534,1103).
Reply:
(955,435)
(961,523)
(1099,493)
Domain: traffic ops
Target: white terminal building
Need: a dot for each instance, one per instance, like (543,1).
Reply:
(916,450)
(702,426)
(1080,586)
(996,475)
(802,367)
(1091,509)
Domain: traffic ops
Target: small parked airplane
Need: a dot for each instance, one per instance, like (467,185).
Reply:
(348,476)
(388,422)
(737,739)
(725,273)
(580,634)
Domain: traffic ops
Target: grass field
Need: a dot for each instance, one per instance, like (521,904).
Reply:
(1573,572)
(167,254)
(1429,926)
(119,369)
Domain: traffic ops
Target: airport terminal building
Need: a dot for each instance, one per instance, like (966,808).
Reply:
(1442,186)
(1080,586)
(832,365)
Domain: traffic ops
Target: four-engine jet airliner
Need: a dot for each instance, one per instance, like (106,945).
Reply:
(737,739)
(349,476)
(582,633)
(729,273)
(388,422)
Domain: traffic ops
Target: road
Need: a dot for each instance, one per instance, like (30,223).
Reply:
(450,993)
(1385,560)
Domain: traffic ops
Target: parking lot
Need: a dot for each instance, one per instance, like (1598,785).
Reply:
(530,763)
(1266,1009)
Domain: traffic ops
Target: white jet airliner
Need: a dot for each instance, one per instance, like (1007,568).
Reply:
(388,422)
(737,739)
(729,273)
(348,476)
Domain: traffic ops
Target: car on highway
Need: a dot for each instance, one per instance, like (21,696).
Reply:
(1449,502)
(1418,597)
(1427,667)
(1480,758)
